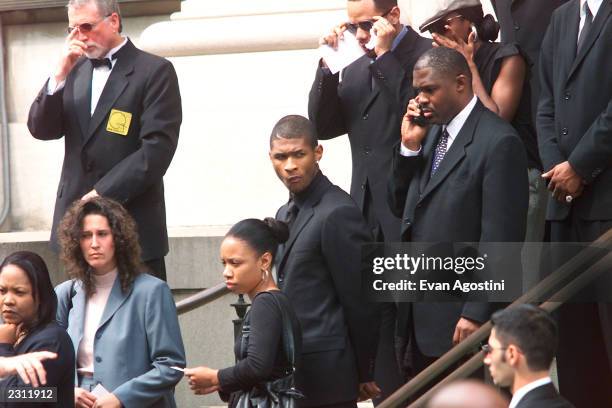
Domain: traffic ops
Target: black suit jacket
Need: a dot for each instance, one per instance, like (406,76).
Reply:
(478,194)
(545,396)
(371,117)
(575,111)
(524,22)
(319,270)
(126,168)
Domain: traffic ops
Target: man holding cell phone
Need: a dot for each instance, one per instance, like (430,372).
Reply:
(368,104)
(119,110)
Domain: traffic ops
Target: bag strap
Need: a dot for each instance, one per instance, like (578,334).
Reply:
(287,330)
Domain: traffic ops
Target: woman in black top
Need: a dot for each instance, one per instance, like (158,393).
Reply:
(499,71)
(28,309)
(247,254)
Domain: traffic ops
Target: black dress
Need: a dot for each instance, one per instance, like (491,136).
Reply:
(488,60)
(60,371)
(266,358)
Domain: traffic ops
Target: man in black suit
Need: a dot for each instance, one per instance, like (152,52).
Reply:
(575,140)
(319,269)
(459,177)
(368,104)
(119,109)
(519,353)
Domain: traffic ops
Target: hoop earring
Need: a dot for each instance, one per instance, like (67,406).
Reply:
(264,274)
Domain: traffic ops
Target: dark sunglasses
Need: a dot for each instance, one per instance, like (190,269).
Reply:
(439,26)
(364,25)
(85,27)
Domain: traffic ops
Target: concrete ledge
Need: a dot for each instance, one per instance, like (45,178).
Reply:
(239,34)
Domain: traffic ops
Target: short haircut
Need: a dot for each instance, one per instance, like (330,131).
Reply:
(532,330)
(382,5)
(105,7)
(42,289)
(444,61)
(295,127)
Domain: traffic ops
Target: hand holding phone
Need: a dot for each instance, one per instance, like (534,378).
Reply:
(414,126)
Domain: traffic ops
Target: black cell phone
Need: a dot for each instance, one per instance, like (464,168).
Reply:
(420,120)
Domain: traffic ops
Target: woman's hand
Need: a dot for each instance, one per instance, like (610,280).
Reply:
(457,43)
(108,401)
(83,399)
(28,366)
(8,333)
(203,380)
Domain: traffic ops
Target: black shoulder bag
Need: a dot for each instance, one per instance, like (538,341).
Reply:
(280,393)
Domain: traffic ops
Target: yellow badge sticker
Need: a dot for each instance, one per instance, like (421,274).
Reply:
(119,122)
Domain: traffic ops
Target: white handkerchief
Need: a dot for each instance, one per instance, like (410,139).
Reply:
(372,43)
(99,391)
(348,51)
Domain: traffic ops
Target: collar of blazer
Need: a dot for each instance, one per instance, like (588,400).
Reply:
(454,154)
(407,54)
(117,81)
(605,10)
(76,316)
(305,214)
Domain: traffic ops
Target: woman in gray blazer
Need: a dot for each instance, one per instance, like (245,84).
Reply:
(122,322)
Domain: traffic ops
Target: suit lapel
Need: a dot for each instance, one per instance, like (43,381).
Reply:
(302,219)
(304,216)
(602,15)
(116,83)
(76,316)
(82,96)
(456,152)
(115,300)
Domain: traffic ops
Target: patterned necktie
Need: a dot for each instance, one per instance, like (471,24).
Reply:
(440,152)
(588,22)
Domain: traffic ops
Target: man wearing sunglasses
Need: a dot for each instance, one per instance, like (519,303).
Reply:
(368,104)
(519,353)
(119,110)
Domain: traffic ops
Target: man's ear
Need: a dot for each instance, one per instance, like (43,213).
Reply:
(462,82)
(318,152)
(513,355)
(394,15)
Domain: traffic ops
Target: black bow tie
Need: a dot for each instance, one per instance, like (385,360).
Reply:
(101,62)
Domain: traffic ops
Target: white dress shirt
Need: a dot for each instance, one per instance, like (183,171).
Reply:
(594,6)
(98,79)
(453,128)
(521,392)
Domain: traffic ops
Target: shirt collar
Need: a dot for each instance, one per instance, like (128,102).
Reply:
(454,126)
(113,51)
(301,197)
(521,392)
(399,38)
(594,6)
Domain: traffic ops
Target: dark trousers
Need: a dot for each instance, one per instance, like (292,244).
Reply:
(157,268)
(387,374)
(584,357)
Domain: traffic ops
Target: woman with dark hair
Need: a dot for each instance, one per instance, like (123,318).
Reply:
(28,311)
(247,254)
(499,72)
(122,322)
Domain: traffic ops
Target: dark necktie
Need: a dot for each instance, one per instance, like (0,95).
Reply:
(101,62)
(292,213)
(588,22)
(440,152)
